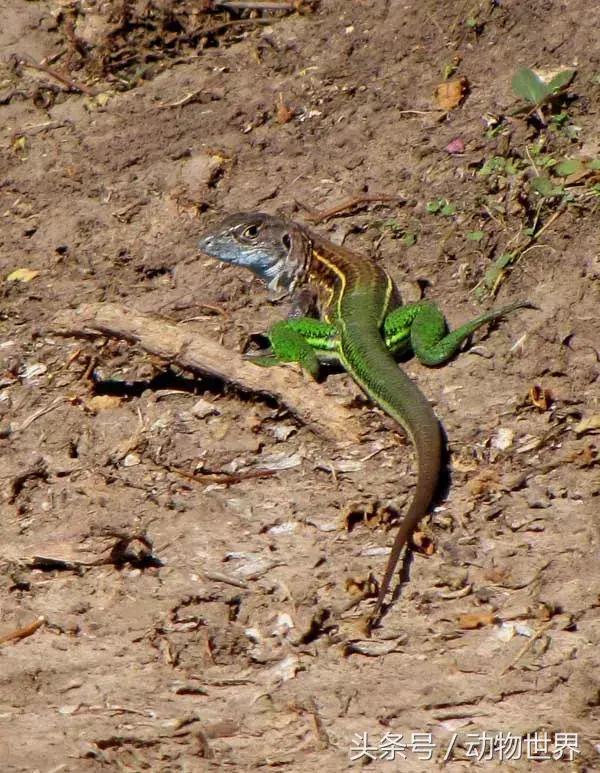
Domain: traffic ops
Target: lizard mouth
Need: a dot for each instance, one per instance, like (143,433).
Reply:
(208,247)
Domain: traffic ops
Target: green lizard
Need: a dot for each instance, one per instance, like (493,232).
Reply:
(361,325)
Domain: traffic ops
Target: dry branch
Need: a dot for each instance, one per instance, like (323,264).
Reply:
(307,401)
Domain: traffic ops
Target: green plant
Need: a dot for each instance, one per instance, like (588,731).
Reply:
(408,236)
(537,93)
(475,236)
(440,206)
(530,87)
(540,188)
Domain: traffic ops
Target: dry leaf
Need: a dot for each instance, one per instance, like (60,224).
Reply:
(203,408)
(496,575)
(103,403)
(541,398)
(450,94)
(544,612)
(22,275)
(577,176)
(198,172)
(367,513)
(485,483)
(503,439)
(455,146)
(374,648)
(585,457)
(361,588)
(424,544)
(251,421)
(284,113)
(588,425)
(19,146)
(470,621)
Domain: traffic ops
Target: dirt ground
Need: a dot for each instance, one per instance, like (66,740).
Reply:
(183,618)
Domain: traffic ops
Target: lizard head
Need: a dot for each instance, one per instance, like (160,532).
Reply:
(275,249)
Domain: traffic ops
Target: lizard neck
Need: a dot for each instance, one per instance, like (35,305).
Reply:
(349,284)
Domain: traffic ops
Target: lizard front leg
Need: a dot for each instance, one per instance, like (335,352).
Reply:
(304,340)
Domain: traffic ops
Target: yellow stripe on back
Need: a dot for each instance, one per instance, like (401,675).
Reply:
(352,271)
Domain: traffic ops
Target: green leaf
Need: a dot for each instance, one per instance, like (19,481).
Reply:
(595,164)
(560,119)
(565,168)
(408,239)
(572,132)
(475,236)
(440,206)
(505,259)
(22,275)
(449,70)
(543,186)
(491,275)
(546,161)
(560,81)
(527,85)
(494,164)
(394,226)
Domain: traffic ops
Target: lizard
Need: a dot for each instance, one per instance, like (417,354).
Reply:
(361,325)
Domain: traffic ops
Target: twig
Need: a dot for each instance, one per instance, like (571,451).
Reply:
(420,112)
(47,60)
(46,127)
(529,245)
(537,635)
(240,5)
(210,307)
(66,80)
(191,97)
(222,477)
(324,742)
(41,412)
(23,633)
(219,577)
(551,220)
(207,31)
(318,217)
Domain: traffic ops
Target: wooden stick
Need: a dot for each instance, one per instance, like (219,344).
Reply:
(63,78)
(190,349)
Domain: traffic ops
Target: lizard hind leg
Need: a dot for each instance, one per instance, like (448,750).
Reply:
(430,339)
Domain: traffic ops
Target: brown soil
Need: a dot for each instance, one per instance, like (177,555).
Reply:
(180,625)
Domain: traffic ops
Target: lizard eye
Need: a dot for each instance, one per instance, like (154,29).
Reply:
(286,240)
(252,231)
